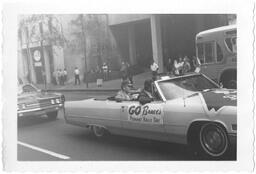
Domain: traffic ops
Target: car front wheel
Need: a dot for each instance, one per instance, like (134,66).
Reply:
(213,140)
(52,115)
(98,131)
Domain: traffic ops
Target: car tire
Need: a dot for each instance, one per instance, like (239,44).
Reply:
(52,115)
(213,140)
(99,131)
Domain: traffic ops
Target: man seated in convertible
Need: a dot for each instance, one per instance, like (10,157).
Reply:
(127,93)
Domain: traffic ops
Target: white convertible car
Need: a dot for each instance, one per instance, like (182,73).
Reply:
(189,109)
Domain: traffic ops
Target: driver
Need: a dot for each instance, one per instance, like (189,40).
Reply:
(126,92)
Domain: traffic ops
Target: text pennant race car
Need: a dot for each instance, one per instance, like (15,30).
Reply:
(33,102)
(189,109)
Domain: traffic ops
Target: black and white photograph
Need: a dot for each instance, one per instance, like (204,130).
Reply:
(148,87)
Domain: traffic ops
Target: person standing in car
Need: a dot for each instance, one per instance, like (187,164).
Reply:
(154,68)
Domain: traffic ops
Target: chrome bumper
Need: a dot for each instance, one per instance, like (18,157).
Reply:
(232,140)
(39,110)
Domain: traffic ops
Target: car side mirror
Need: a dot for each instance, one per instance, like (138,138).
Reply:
(144,100)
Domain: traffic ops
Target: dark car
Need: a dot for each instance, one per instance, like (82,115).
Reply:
(34,102)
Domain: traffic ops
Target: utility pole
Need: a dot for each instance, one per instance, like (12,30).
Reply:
(42,53)
(84,40)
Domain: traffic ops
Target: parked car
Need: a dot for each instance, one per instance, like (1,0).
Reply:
(189,109)
(33,102)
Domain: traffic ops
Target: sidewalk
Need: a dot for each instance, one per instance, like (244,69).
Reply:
(112,85)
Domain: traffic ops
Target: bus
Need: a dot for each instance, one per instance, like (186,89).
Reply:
(216,50)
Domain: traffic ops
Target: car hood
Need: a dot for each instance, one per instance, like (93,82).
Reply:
(218,98)
(36,96)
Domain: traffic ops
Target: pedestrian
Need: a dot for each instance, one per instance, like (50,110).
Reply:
(196,64)
(65,75)
(169,66)
(129,72)
(186,65)
(105,71)
(77,74)
(124,71)
(54,75)
(58,76)
(178,65)
(61,77)
(154,68)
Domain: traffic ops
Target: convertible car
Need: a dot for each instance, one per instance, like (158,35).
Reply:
(33,102)
(190,109)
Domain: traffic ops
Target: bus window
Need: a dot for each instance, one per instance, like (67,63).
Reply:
(200,52)
(233,41)
(219,53)
(209,52)
(231,44)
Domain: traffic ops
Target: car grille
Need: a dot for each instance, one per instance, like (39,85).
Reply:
(40,104)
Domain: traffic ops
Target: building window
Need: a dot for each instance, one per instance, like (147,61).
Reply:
(231,44)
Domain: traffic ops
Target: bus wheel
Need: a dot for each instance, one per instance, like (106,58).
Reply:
(231,84)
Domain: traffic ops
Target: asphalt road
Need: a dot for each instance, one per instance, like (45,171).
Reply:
(42,140)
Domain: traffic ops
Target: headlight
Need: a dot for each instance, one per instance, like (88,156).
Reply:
(52,101)
(57,100)
(23,106)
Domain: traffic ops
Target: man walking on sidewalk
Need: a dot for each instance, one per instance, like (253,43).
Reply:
(77,78)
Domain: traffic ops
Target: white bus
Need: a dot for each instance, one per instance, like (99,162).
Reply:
(216,49)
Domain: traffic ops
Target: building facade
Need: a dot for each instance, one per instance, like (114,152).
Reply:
(137,39)
(144,37)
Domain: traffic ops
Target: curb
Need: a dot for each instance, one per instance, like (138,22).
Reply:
(81,90)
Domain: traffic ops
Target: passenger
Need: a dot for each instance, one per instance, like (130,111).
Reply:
(127,92)
(146,95)
(124,94)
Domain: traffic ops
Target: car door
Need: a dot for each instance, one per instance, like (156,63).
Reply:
(143,120)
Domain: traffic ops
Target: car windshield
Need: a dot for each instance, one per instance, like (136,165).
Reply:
(185,86)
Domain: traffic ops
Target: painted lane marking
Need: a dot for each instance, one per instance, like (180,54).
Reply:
(44,151)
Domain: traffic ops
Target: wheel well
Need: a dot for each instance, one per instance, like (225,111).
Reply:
(194,128)
(228,74)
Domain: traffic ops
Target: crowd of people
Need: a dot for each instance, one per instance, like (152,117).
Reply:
(60,76)
(176,67)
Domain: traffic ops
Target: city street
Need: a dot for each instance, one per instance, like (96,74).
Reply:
(42,140)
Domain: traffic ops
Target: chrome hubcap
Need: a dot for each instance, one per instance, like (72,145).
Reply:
(213,140)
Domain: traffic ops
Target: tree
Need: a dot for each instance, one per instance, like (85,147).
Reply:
(29,24)
(91,27)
